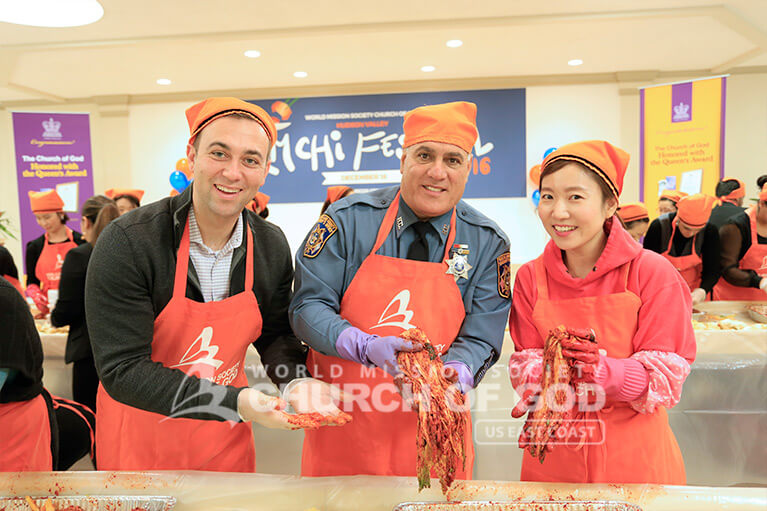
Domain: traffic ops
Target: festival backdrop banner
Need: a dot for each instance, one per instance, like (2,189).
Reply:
(681,138)
(357,141)
(53,151)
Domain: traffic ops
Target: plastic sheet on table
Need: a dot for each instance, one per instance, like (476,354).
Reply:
(96,503)
(537,505)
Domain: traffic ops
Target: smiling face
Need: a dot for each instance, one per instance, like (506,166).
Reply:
(230,161)
(434,176)
(666,206)
(573,207)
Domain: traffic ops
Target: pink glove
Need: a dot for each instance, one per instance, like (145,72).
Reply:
(36,294)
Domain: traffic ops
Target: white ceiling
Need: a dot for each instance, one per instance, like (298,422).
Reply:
(363,45)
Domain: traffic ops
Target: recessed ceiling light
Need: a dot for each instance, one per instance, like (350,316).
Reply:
(428,69)
(163,81)
(300,74)
(454,43)
(574,62)
(252,54)
(51,13)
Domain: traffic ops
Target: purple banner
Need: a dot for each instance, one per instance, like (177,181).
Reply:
(53,151)
(681,102)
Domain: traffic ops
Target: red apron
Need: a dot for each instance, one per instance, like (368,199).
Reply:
(207,340)
(26,436)
(755,259)
(15,283)
(689,266)
(387,296)
(48,268)
(637,448)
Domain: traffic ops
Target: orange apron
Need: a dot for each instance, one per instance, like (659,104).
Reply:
(387,296)
(755,259)
(48,268)
(689,266)
(207,340)
(637,448)
(15,283)
(26,436)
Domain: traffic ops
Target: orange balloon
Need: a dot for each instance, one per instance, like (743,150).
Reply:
(535,175)
(173,193)
(182,165)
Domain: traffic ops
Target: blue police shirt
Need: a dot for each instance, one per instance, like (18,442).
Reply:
(326,265)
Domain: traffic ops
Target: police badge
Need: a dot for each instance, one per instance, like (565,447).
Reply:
(458,265)
(323,230)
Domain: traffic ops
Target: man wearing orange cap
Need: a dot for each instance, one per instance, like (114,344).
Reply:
(628,316)
(176,291)
(744,254)
(127,199)
(45,255)
(635,218)
(377,264)
(730,192)
(691,244)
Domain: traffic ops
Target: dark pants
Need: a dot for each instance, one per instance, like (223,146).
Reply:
(72,425)
(85,382)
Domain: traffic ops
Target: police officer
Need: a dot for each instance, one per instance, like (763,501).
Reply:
(379,263)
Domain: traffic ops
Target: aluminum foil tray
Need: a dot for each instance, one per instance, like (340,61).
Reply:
(535,505)
(95,503)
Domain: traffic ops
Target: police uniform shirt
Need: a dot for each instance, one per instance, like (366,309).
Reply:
(335,249)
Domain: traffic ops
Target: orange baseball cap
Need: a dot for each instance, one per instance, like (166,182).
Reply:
(45,202)
(451,123)
(695,210)
(116,192)
(203,113)
(672,195)
(609,162)
(632,211)
(336,192)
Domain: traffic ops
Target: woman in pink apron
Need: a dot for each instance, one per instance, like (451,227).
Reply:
(593,276)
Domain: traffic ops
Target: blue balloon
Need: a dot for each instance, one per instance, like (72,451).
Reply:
(178,181)
(536,197)
(549,151)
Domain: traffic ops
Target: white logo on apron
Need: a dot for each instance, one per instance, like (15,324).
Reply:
(205,347)
(403,298)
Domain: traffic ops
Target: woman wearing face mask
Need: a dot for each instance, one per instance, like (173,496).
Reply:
(593,275)
(45,255)
(744,254)
(690,242)
(97,212)
(126,199)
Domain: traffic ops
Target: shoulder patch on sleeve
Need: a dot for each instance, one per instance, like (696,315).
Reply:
(321,233)
(503,266)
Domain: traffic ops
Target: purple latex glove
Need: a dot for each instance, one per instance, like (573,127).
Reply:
(355,345)
(457,372)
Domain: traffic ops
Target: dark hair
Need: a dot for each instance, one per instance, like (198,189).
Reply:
(264,213)
(761,180)
(99,210)
(554,166)
(63,217)
(632,223)
(726,187)
(133,200)
(666,198)
(326,204)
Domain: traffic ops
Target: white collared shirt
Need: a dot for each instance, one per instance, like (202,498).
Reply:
(212,267)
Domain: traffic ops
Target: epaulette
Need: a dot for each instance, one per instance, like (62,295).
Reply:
(472,216)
